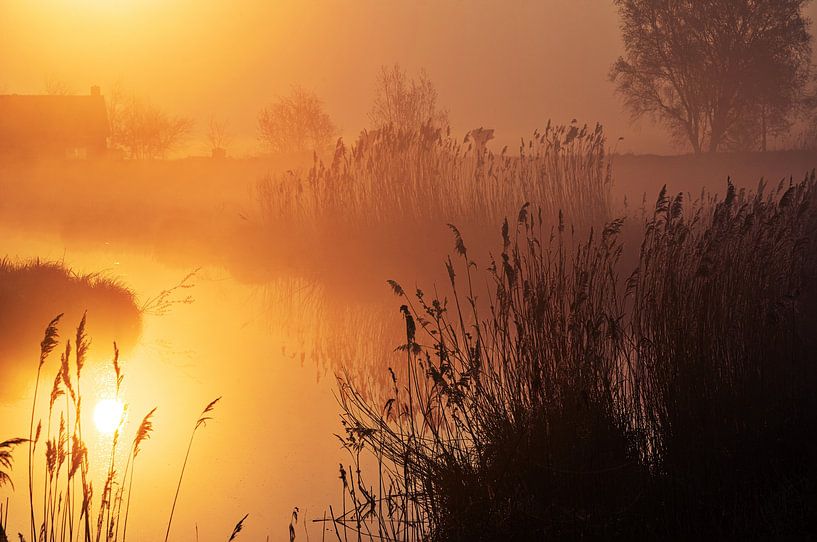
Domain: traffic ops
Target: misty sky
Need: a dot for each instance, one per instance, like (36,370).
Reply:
(506,65)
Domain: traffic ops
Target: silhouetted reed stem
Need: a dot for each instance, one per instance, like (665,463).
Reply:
(202,421)
(46,346)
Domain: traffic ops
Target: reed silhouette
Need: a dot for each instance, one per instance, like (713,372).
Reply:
(571,398)
(61,495)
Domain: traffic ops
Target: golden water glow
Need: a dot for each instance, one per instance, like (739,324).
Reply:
(108,415)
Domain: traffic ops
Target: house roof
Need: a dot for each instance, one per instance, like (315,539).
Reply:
(52,118)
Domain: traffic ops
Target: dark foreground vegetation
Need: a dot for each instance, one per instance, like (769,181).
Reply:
(596,378)
(558,395)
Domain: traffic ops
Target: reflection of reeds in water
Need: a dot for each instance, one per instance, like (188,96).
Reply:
(574,402)
(68,511)
(382,206)
(331,332)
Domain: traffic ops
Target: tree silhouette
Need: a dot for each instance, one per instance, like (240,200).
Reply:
(718,73)
(142,130)
(57,87)
(218,135)
(295,123)
(405,103)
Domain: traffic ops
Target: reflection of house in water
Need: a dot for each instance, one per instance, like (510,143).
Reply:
(53,126)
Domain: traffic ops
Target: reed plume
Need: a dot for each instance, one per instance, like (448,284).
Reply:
(49,342)
(237,528)
(202,421)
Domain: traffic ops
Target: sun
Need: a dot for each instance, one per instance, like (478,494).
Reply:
(108,415)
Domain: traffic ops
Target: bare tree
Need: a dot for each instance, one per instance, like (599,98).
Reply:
(142,130)
(296,122)
(714,71)
(405,103)
(218,135)
(57,87)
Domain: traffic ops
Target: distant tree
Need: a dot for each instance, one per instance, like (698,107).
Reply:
(404,102)
(57,87)
(718,73)
(806,136)
(218,135)
(296,122)
(141,130)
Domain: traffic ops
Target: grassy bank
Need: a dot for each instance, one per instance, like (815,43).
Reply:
(31,292)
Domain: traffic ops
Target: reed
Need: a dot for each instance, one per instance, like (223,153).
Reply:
(393,190)
(67,505)
(7,460)
(142,434)
(383,204)
(204,417)
(723,312)
(391,175)
(576,398)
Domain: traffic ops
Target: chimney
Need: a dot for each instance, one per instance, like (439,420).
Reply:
(95,90)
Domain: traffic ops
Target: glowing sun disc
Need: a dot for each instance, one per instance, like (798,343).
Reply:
(108,415)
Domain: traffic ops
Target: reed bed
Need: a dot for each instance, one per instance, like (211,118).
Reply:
(63,504)
(381,206)
(393,175)
(389,195)
(723,317)
(559,395)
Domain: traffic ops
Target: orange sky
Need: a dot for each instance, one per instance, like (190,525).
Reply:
(507,65)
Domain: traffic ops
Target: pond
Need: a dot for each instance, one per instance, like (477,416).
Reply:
(271,444)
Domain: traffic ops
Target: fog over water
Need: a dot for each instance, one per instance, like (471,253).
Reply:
(505,66)
(224,268)
(275,411)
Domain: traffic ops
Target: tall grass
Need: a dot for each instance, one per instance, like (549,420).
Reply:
(388,196)
(67,491)
(723,312)
(391,175)
(512,416)
(6,462)
(7,459)
(381,206)
(555,395)
(201,422)
(68,510)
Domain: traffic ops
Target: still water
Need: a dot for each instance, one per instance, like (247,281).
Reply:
(271,445)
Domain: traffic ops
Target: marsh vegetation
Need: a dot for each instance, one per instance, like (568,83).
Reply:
(557,395)
(558,377)
(423,327)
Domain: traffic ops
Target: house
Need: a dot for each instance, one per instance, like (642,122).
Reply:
(53,126)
